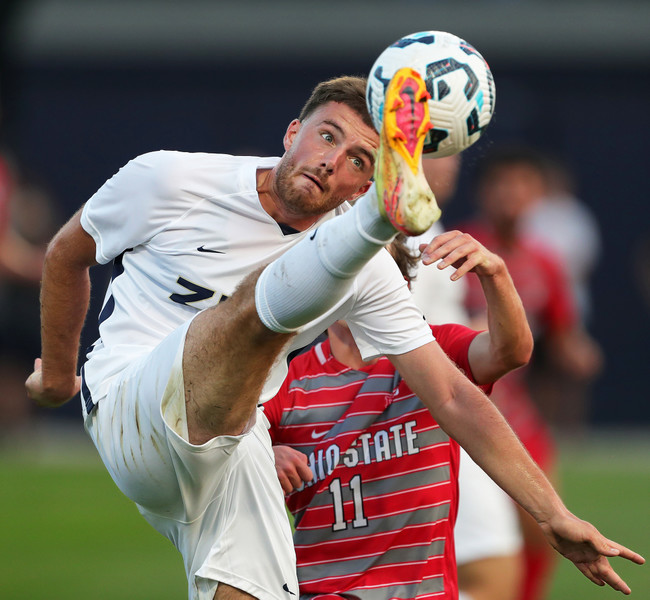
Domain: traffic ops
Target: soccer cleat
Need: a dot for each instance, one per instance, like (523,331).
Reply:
(405,198)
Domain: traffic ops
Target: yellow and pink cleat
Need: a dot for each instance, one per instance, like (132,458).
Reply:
(405,198)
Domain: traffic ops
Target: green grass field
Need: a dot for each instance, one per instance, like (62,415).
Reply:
(68,533)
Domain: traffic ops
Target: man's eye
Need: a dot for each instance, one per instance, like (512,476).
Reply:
(328,137)
(357,163)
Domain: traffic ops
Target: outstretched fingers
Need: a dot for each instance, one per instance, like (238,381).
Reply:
(440,246)
(610,548)
(628,554)
(452,248)
(461,251)
(589,550)
(587,570)
(602,573)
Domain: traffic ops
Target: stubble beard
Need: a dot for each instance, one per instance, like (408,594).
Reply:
(297,203)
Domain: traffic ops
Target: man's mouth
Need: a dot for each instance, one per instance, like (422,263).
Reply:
(316,180)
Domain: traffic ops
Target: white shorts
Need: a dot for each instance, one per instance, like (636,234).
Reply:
(487,524)
(220,503)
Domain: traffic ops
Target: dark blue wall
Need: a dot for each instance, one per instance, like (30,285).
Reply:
(77,125)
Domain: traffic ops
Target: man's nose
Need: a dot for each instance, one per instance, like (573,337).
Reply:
(331,159)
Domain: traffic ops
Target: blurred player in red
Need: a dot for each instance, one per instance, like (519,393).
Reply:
(509,182)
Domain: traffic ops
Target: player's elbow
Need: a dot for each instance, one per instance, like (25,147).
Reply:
(519,354)
(71,247)
(512,356)
(525,349)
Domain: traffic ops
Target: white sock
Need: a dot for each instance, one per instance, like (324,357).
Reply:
(464,596)
(315,274)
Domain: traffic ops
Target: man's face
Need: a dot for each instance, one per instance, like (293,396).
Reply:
(329,158)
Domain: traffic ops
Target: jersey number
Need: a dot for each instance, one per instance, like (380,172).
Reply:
(198,293)
(357,496)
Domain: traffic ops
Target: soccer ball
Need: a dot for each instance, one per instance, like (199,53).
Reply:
(458,80)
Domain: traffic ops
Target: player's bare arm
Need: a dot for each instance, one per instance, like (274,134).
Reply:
(508,342)
(468,416)
(65,295)
(219,341)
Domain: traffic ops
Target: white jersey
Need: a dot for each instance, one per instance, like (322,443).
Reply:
(438,297)
(183,229)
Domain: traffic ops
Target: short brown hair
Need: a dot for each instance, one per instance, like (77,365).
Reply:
(347,89)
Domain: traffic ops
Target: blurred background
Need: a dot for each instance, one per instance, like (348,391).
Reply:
(86,85)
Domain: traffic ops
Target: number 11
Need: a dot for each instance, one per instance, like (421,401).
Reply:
(336,490)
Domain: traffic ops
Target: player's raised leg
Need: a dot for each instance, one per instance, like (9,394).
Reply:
(227,357)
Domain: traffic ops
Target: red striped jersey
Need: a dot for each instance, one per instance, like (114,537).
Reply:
(377,520)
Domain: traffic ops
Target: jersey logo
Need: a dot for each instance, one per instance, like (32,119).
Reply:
(204,249)
(285,587)
(316,436)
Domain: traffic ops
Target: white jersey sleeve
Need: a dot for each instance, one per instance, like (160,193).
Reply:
(135,204)
(384,319)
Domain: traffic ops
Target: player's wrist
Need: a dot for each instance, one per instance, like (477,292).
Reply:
(492,268)
(57,388)
(554,515)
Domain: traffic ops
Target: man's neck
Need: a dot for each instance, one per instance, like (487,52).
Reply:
(272,205)
(344,348)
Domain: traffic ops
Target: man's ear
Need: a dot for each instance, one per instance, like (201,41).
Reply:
(290,135)
(361,191)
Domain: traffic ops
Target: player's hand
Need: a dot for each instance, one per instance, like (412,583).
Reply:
(589,550)
(48,397)
(292,468)
(463,252)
